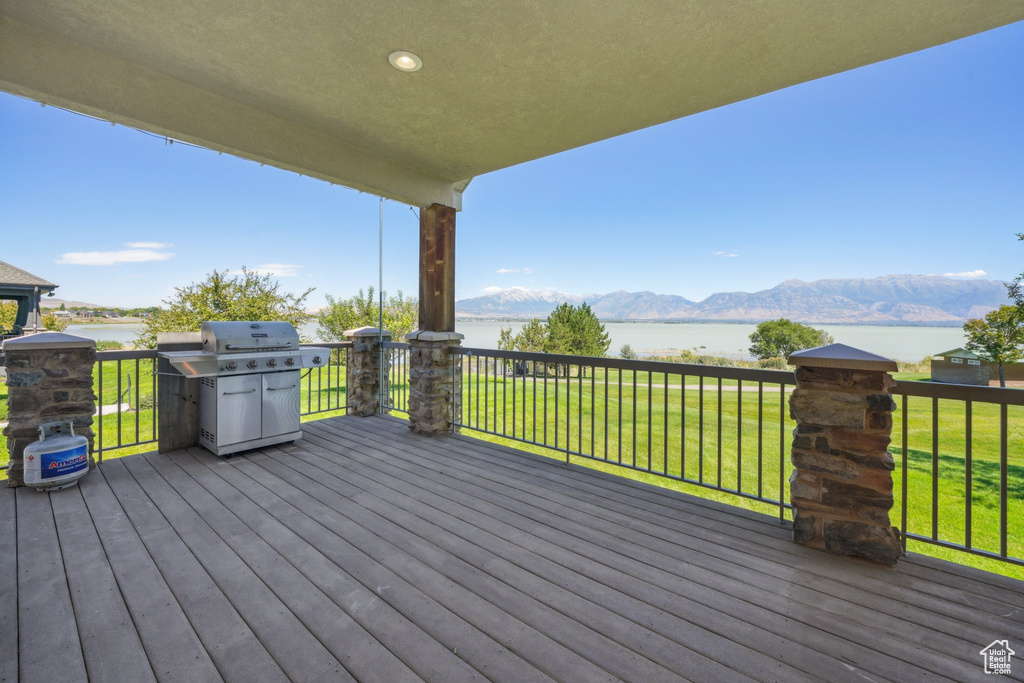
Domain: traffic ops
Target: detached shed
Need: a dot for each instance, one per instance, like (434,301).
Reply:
(959,366)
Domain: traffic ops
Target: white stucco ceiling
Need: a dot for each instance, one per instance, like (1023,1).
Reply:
(307,85)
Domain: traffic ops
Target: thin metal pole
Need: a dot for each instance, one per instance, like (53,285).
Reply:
(380,311)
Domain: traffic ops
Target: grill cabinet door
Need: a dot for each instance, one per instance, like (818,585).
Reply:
(280,402)
(238,409)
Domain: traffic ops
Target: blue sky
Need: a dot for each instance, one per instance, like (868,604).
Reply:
(915,165)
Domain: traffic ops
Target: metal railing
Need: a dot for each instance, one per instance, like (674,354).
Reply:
(721,428)
(324,388)
(961,467)
(397,399)
(126,399)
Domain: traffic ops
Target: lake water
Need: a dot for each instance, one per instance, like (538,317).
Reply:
(717,339)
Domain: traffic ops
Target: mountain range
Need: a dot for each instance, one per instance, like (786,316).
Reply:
(886,300)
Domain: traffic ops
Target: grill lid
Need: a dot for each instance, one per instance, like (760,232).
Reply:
(228,337)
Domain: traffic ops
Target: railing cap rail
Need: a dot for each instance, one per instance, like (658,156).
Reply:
(714,371)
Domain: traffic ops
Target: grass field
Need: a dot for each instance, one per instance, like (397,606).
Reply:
(740,450)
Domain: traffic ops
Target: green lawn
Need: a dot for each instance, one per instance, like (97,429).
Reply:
(739,451)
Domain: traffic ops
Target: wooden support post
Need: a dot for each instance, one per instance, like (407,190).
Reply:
(437,269)
(177,396)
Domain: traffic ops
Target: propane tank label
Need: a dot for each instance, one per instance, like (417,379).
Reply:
(53,465)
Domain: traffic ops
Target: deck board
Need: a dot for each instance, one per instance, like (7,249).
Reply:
(110,641)
(737,610)
(881,588)
(364,552)
(8,586)
(174,650)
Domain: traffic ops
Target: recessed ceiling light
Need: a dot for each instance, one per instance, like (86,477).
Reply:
(405,61)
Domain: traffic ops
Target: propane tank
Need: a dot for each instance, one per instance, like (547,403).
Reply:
(59,459)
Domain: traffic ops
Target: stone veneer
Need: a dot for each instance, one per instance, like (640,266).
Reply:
(49,378)
(363,383)
(433,399)
(842,487)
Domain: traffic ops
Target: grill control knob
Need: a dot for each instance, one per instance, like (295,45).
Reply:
(272,362)
(316,360)
(289,361)
(232,365)
(251,364)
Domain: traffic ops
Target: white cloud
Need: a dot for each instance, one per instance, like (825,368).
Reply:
(506,271)
(967,274)
(112,258)
(278,269)
(527,270)
(492,290)
(726,254)
(149,245)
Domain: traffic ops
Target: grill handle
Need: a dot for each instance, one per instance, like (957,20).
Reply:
(233,393)
(280,388)
(256,347)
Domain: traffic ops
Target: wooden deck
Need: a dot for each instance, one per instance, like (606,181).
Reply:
(365,552)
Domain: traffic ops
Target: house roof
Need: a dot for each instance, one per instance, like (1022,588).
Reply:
(11,276)
(307,86)
(958,352)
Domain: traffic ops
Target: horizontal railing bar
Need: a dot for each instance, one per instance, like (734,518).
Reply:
(956,546)
(960,392)
(660,367)
(396,345)
(132,354)
(328,345)
(116,447)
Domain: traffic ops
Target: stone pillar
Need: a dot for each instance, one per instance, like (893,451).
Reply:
(841,489)
(49,378)
(363,383)
(433,396)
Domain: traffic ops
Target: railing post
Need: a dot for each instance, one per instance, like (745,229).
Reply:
(435,381)
(367,364)
(842,488)
(49,378)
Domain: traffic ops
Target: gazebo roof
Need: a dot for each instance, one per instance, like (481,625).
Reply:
(16,278)
(307,86)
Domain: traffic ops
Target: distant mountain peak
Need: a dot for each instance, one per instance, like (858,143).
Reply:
(887,299)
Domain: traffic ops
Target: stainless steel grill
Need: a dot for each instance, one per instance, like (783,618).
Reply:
(249,383)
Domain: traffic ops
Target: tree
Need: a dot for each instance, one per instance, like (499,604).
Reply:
(627,352)
(1016,288)
(998,337)
(576,331)
(363,310)
(54,323)
(505,340)
(8,314)
(222,296)
(779,338)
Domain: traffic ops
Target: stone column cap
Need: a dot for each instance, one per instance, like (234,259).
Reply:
(429,336)
(842,357)
(367,332)
(48,340)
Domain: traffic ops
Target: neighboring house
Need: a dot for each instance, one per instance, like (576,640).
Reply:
(25,289)
(997,656)
(959,366)
(61,314)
